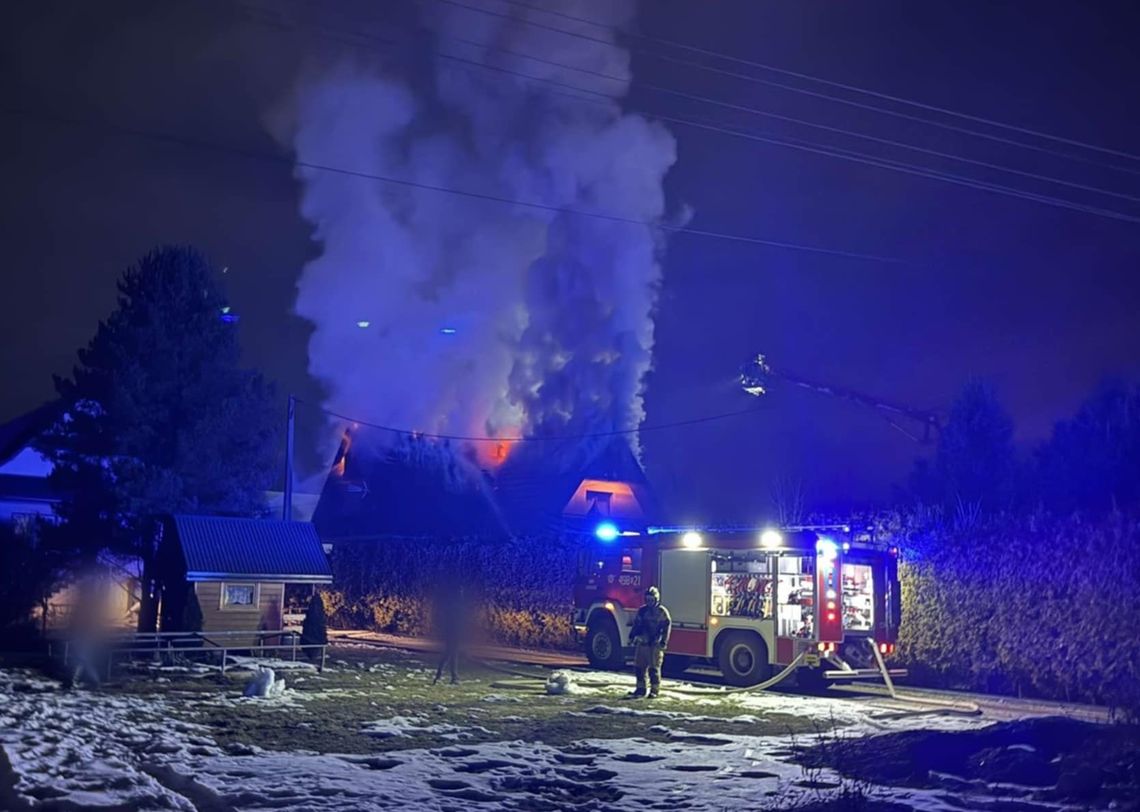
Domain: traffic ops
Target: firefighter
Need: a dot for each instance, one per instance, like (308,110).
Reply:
(650,636)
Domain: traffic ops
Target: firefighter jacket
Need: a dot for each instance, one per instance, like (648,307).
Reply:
(651,626)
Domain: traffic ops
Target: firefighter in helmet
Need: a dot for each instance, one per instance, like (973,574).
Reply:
(650,636)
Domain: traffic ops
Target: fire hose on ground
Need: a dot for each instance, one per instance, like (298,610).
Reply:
(534,683)
(526,681)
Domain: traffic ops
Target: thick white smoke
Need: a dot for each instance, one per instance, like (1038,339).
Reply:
(483,317)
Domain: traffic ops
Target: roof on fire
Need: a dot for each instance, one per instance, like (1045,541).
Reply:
(216,548)
(372,494)
(375,493)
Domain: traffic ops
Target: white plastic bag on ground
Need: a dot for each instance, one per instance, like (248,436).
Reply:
(560,682)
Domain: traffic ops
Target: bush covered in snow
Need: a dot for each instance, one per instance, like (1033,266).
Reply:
(1032,605)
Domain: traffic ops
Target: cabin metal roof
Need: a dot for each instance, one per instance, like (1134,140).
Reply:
(217,548)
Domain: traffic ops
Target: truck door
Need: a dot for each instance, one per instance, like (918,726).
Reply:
(684,585)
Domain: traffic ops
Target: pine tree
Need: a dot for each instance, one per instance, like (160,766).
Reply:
(974,468)
(159,417)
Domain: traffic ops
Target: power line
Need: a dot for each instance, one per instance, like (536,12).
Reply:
(804,146)
(828,82)
(530,439)
(753,111)
(794,89)
(296,162)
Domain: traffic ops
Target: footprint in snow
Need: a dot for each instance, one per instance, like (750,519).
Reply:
(638,758)
(694,768)
(486,765)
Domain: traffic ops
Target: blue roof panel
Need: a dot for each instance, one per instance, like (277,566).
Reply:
(216,547)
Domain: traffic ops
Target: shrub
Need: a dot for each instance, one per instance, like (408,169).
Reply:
(314,630)
(1030,605)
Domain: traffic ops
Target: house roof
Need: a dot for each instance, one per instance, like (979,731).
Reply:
(19,432)
(373,493)
(26,489)
(535,487)
(217,548)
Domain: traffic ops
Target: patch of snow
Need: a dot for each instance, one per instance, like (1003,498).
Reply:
(265,685)
(95,750)
(559,683)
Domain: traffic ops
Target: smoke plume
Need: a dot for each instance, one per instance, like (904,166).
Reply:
(453,314)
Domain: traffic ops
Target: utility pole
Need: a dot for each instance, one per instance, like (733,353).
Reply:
(287,501)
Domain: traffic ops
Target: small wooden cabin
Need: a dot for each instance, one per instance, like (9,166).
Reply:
(238,569)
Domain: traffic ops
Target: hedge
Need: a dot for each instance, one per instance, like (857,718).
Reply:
(524,586)
(1034,606)
(1037,606)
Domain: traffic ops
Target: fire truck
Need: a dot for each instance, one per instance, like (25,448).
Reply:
(748,601)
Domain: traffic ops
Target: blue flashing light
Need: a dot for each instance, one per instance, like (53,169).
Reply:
(362,324)
(448,331)
(229,318)
(827,549)
(607,531)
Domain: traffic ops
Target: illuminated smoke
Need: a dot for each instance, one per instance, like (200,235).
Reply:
(448,314)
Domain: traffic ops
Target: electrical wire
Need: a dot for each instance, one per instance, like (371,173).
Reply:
(624,81)
(828,82)
(532,439)
(793,89)
(296,162)
(575,91)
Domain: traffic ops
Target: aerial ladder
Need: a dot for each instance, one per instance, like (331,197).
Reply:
(758,376)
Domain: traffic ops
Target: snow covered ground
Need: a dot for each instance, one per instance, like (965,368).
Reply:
(161,747)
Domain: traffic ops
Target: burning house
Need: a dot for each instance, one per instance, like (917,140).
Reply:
(421,488)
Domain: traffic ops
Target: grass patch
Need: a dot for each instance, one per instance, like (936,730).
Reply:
(329,712)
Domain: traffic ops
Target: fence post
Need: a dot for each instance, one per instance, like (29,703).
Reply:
(321,667)
(223,662)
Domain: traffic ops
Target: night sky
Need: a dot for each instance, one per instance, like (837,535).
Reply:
(1042,301)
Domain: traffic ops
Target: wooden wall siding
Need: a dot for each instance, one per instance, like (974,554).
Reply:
(264,615)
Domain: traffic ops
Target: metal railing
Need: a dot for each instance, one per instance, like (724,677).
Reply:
(166,645)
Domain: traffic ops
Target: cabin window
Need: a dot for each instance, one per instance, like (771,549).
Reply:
(631,560)
(236,597)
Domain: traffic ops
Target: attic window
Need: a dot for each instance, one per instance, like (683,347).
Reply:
(599,501)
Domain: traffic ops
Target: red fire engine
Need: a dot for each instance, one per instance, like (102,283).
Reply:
(748,601)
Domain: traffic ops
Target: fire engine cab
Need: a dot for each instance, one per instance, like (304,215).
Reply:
(749,601)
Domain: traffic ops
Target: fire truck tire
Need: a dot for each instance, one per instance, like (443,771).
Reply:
(603,644)
(743,658)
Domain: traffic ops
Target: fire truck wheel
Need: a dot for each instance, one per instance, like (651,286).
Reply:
(743,659)
(603,644)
